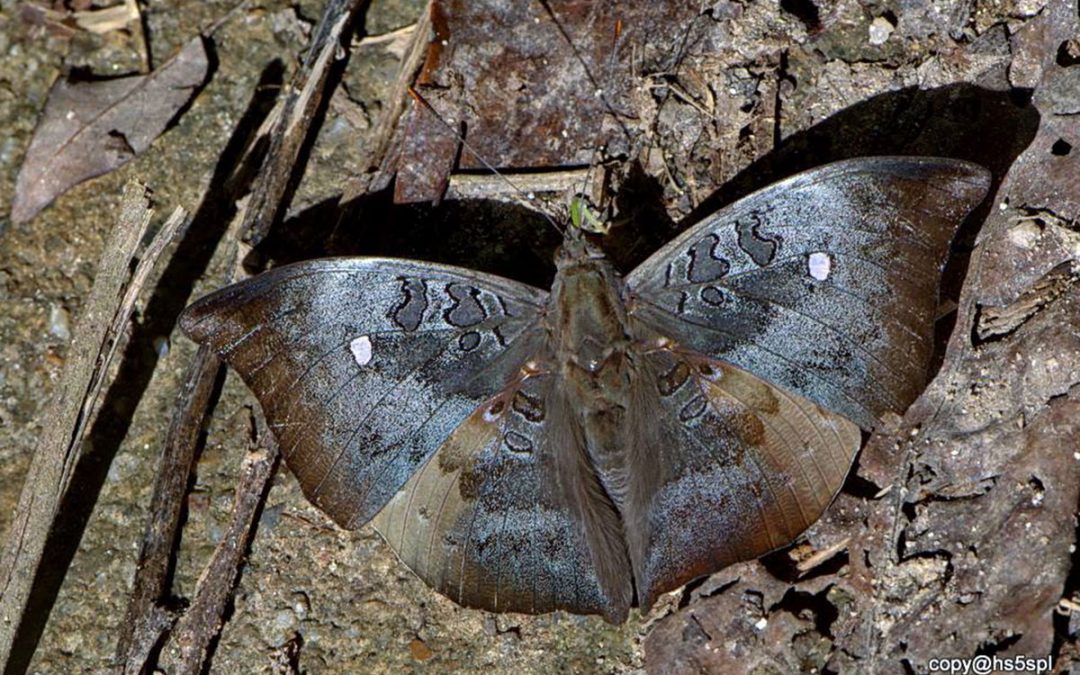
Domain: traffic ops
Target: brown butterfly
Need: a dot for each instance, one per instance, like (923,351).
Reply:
(595,446)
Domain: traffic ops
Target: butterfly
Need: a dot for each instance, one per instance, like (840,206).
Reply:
(594,446)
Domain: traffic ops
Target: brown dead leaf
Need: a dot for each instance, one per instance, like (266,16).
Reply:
(90,128)
(546,89)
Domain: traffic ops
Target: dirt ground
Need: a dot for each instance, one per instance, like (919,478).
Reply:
(954,537)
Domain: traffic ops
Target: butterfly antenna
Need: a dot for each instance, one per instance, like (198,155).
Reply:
(585,66)
(590,176)
(526,196)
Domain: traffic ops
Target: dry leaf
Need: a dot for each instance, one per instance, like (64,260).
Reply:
(91,128)
(530,101)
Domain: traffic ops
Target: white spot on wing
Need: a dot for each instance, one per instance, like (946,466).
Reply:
(819,266)
(361,350)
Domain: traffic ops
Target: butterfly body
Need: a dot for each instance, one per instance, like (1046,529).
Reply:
(593,447)
(594,361)
(595,383)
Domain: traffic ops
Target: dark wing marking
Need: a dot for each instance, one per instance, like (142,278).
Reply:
(745,467)
(487,523)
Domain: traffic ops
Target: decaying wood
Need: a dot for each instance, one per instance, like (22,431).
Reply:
(380,155)
(95,343)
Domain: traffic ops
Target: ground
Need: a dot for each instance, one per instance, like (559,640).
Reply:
(955,536)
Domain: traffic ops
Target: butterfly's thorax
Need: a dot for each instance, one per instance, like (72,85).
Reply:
(594,360)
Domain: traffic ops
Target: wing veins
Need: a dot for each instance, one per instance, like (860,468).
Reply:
(808,418)
(708,450)
(791,450)
(367,416)
(835,331)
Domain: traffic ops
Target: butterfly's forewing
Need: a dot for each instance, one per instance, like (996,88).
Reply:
(821,291)
(364,366)
(824,284)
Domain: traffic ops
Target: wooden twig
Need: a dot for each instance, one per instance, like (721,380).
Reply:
(191,638)
(148,618)
(509,187)
(96,339)
(398,97)
(304,96)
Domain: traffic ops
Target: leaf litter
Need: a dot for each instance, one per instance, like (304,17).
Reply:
(89,128)
(987,447)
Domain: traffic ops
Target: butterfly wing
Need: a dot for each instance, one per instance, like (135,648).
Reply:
(824,284)
(489,521)
(736,467)
(423,389)
(364,366)
(777,326)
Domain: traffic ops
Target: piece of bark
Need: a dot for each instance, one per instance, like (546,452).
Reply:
(397,100)
(96,339)
(536,84)
(90,128)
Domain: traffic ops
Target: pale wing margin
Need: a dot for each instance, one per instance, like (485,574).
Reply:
(485,522)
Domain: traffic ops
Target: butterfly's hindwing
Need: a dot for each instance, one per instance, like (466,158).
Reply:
(485,522)
(825,283)
(364,366)
(747,468)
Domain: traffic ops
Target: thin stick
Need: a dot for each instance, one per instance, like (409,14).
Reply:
(147,619)
(107,312)
(294,121)
(485,186)
(190,643)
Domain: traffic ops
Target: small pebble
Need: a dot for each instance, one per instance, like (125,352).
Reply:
(419,650)
(880,30)
(59,323)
